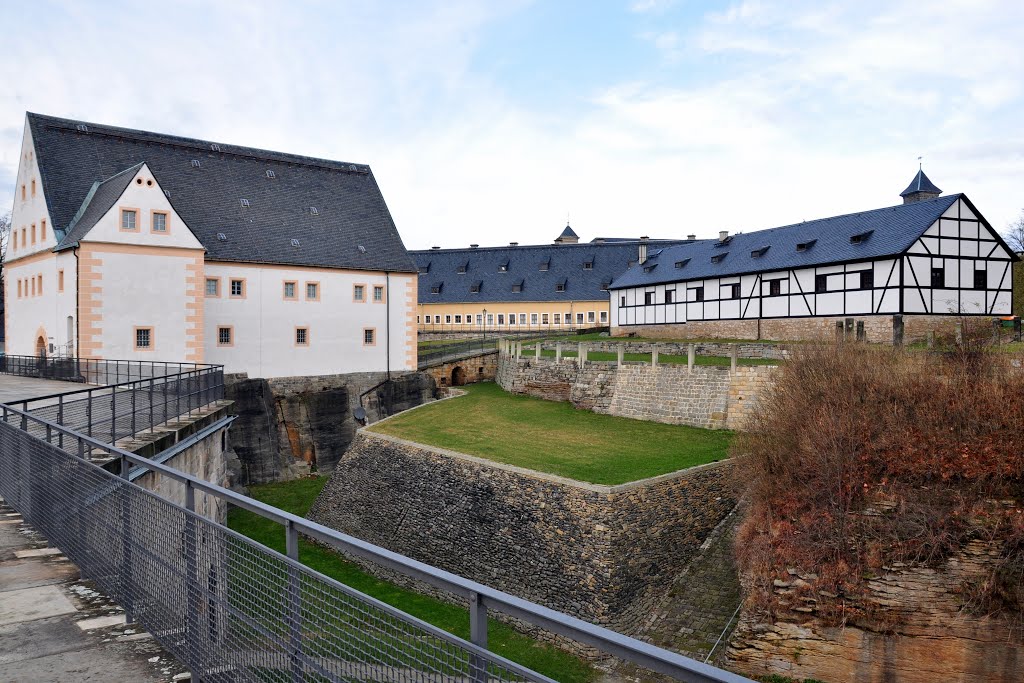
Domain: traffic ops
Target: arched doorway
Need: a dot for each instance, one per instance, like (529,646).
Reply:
(458,376)
(41,346)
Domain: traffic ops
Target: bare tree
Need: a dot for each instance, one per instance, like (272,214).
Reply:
(5,235)
(1014,234)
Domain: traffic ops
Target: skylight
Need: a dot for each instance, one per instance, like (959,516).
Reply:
(245,202)
(860,237)
(682,264)
(295,242)
(195,163)
(222,237)
(804,246)
(271,174)
(314,211)
(758,253)
(717,258)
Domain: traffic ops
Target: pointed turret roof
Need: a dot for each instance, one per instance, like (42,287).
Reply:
(568,232)
(920,183)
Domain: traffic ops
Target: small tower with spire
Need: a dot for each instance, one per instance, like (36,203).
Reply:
(567,236)
(920,188)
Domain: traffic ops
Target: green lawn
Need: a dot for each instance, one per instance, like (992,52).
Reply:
(646,357)
(555,437)
(297,497)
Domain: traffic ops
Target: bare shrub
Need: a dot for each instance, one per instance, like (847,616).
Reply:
(861,456)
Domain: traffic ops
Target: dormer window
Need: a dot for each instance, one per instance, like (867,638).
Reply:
(605,285)
(463,267)
(758,253)
(195,163)
(718,258)
(222,237)
(588,265)
(475,288)
(544,266)
(503,267)
(560,287)
(518,287)
(682,264)
(648,269)
(271,174)
(435,289)
(244,202)
(425,268)
(313,211)
(804,246)
(860,237)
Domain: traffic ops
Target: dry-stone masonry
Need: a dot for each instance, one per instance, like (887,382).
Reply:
(601,553)
(712,397)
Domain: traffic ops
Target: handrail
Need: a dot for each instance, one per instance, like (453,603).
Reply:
(480,596)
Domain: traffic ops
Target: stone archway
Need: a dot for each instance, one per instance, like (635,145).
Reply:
(41,347)
(458,376)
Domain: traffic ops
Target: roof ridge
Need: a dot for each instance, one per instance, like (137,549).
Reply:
(521,247)
(152,137)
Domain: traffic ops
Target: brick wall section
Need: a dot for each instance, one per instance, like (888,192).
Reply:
(877,327)
(480,368)
(710,397)
(935,638)
(601,553)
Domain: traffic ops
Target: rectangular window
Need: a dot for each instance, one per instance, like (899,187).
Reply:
(479,320)
(60,280)
(558,318)
(302,336)
(938,278)
(867,279)
(447,320)
(237,289)
(213,286)
(579,318)
(774,287)
(458,319)
(591,317)
(378,294)
(604,316)
(698,294)
(544,320)
(33,233)
(129,220)
(648,298)
(735,293)
(40,277)
(501,319)
(19,288)
(312,291)
(622,300)
(670,295)
(143,338)
(42,230)
(417,320)
(522,318)
(33,280)
(160,221)
(14,239)
(533,318)
(980,279)
(358,293)
(33,187)
(289,291)
(225,336)
(369,336)
(820,283)
(24,236)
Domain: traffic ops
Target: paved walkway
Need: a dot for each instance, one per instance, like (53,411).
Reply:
(57,627)
(14,388)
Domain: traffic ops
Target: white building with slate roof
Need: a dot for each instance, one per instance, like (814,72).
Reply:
(930,260)
(134,245)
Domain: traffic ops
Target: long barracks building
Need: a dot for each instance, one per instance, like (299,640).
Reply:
(931,259)
(557,287)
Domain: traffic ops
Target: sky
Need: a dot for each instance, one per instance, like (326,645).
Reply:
(496,121)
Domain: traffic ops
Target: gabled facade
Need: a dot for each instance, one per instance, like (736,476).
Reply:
(128,244)
(931,256)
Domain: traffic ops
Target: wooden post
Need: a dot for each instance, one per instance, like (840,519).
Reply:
(897,330)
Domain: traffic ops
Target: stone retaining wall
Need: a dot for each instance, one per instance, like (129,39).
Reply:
(711,397)
(600,553)
(702,348)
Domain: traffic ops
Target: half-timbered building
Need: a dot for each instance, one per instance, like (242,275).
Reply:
(929,260)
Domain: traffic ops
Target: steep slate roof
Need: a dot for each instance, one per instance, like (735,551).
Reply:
(920,183)
(568,232)
(102,196)
(885,232)
(439,267)
(351,209)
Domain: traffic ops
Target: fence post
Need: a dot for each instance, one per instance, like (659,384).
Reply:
(132,389)
(60,420)
(654,355)
(477,636)
(113,415)
(558,352)
(192,585)
(152,426)
(734,354)
(126,545)
(897,330)
(621,354)
(537,350)
(294,602)
(581,354)
(691,353)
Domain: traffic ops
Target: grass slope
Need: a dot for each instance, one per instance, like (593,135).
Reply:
(297,497)
(556,438)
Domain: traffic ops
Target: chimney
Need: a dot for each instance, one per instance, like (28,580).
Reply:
(434,248)
(513,244)
(473,246)
(723,236)
(642,254)
(691,237)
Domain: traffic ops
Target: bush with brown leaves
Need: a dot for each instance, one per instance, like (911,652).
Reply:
(861,456)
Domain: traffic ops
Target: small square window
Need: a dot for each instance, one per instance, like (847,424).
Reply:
(238,288)
(289,291)
(980,279)
(938,278)
(378,294)
(302,336)
(358,293)
(648,298)
(734,291)
(129,219)
(698,294)
(312,291)
(774,287)
(669,295)
(589,265)
(144,338)
(867,279)
(212,286)
(225,336)
(820,283)
(369,336)
(159,222)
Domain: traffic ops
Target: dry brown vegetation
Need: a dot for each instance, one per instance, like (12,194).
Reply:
(862,456)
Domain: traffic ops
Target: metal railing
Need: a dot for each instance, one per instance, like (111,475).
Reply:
(231,609)
(91,370)
(124,407)
(441,352)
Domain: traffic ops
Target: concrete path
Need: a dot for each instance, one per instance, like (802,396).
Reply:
(56,627)
(14,388)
